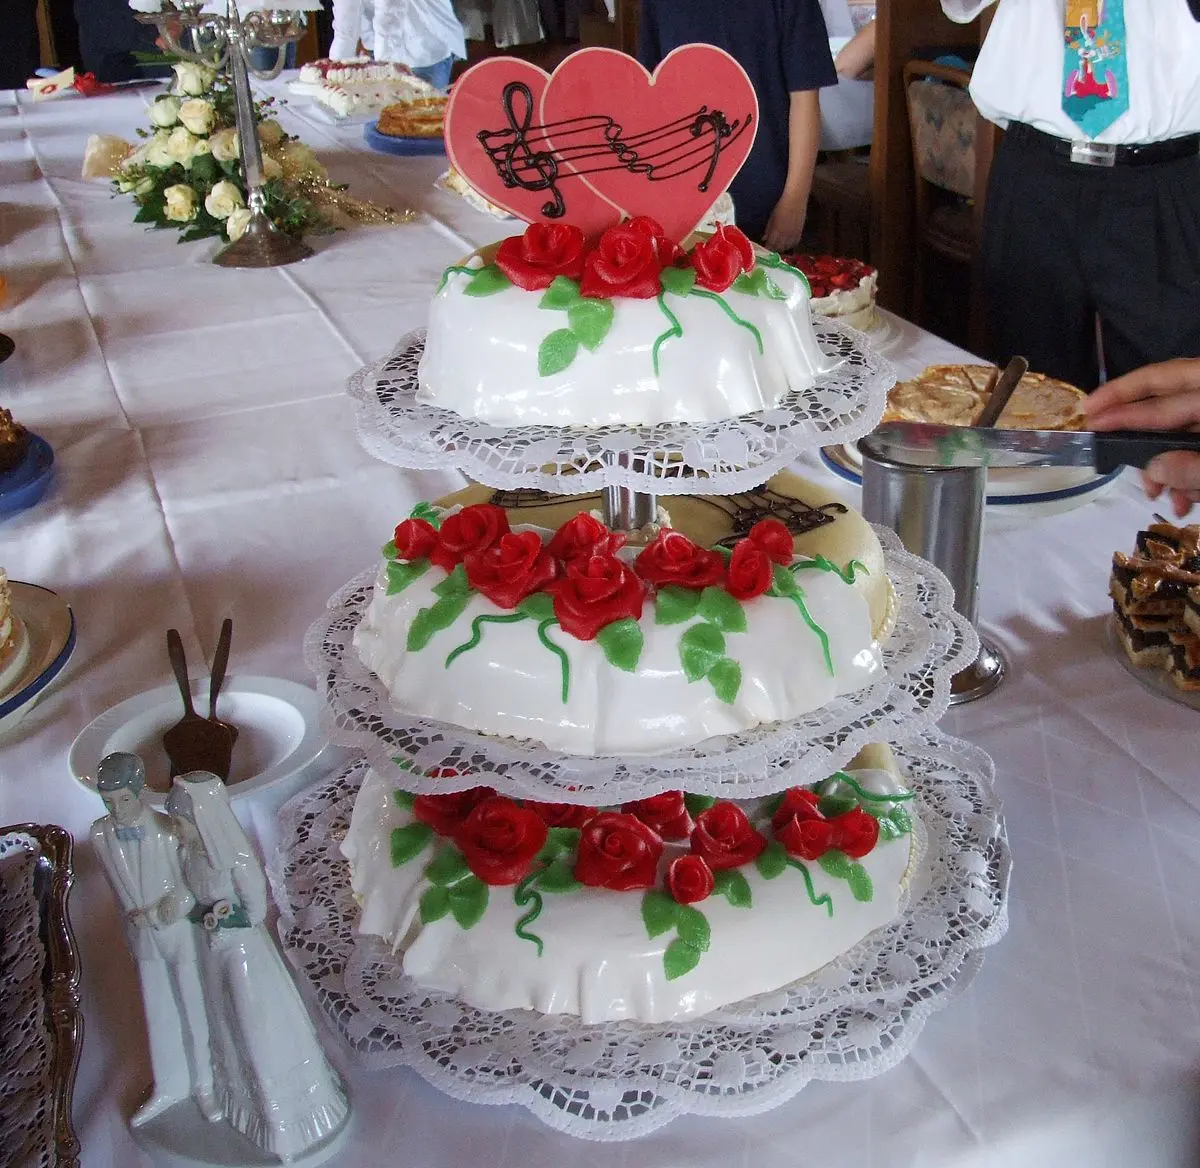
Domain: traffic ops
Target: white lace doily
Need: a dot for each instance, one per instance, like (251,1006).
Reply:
(855,1018)
(930,644)
(26,1047)
(713,458)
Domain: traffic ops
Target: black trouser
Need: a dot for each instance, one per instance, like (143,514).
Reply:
(1063,242)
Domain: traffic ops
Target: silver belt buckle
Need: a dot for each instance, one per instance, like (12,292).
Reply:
(1094,153)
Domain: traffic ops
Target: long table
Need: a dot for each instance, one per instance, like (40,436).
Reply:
(208,466)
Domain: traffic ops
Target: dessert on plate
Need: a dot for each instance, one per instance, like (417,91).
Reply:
(955,395)
(359,86)
(14,442)
(416,117)
(842,288)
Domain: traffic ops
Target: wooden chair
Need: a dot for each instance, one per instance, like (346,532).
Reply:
(952,148)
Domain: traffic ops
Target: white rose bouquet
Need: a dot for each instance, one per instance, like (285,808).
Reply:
(187,173)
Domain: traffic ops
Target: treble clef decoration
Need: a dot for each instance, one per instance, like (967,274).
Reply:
(721,129)
(515,158)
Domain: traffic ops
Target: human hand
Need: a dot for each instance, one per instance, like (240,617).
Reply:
(1165,396)
(786,224)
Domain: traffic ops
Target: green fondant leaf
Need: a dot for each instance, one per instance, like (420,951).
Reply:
(771,290)
(455,584)
(562,293)
(401,573)
(836,863)
(693,927)
(389,550)
(859,880)
(622,642)
(719,608)
(560,841)
(539,605)
(468,901)
(726,679)
(772,860)
(404,799)
(658,912)
(680,281)
(446,867)
(700,648)
(887,829)
(901,819)
(408,841)
(831,805)
(556,352)
(558,876)
(428,512)
(698,803)
(440,615)
(590,321)
(783,582)
(772,805)
(673,605)
(487,281)
(744,283)
(733,886)
(680,958)
(435,904)
(726,553)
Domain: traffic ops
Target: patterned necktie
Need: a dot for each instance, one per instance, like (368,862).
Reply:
(1095,76)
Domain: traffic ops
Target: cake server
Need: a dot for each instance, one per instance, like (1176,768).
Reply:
(929,444)
(1001,390)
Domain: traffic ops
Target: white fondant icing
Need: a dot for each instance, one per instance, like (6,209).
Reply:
(511,685)
(597,960)
(481,358)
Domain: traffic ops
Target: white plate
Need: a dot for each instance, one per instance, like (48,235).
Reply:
(278,732)
(50,626)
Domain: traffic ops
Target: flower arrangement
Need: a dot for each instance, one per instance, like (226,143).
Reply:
(187,173)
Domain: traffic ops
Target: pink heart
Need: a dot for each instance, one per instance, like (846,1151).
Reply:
(512,141)
(609,119)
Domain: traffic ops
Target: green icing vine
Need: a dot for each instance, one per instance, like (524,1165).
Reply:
(557,650)
(848,574)
(824,900)
(525,894)
(838,865)
(773,861)
(775,261)
(870,796)
(555,875)
(784,584)
(675,330)
(733,316)
(477,631)
(450,271)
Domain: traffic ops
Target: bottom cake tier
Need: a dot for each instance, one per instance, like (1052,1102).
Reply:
(855,1016)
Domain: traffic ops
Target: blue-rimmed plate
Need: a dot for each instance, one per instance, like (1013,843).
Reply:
(1057,488)
(389,145)
(279,735)
(49,625)
(29,480)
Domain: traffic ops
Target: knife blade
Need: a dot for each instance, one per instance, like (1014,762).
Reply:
(1002,390)
(928,444)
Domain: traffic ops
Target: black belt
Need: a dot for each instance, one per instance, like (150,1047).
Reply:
(1102,154)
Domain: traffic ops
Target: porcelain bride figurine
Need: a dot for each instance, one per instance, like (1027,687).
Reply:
(271,1079)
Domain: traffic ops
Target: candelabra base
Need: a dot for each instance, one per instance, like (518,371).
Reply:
(982,676)
(262,245)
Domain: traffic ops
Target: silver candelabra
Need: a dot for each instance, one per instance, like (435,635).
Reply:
(217,40)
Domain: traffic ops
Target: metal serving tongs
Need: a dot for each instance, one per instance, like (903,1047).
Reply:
(196,743)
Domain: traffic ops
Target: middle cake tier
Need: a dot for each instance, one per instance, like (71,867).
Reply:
(542,624)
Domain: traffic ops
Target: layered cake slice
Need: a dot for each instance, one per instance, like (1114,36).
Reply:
(955,395)
(14,639)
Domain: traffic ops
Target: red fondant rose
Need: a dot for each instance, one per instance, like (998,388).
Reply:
(584,535)
(563,814)
(499,840)
(415,539)
(720,260)
(750,571)
(772,538)
(856,832)
(672,558)
(625,263)
(689,879)
(513,567)
(595,591)
(531,261)
(800,826)
(618,852)
(444,813)
(666,814)
(724,838)
(668,250)
(468,531)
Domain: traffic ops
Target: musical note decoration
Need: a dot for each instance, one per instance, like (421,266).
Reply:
(602,139)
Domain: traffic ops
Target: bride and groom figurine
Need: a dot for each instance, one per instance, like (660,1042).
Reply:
(226,1024)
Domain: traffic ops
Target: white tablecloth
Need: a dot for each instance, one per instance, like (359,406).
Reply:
(207,466)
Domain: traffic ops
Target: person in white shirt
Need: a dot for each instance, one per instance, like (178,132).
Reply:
(139,853)
(1093,203)
(425,35)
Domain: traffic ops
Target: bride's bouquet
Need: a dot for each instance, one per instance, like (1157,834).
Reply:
(187,172)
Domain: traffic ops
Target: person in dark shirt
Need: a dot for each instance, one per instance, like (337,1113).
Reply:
(784,48)
(109,35)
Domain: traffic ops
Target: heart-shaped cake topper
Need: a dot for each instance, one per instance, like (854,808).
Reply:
(665,145)
(496,142)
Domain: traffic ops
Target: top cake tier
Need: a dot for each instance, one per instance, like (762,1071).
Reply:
(555,365)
